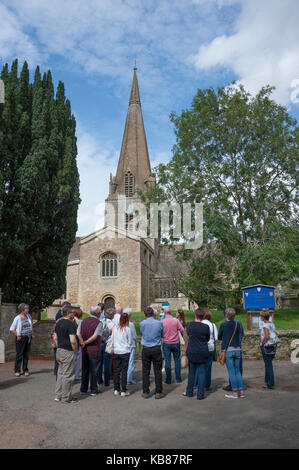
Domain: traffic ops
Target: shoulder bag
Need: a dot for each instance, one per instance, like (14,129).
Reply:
(222,353)
(110,343)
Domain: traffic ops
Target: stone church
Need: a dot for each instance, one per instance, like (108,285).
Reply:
(114,265)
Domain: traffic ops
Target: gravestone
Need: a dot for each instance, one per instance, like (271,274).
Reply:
(2,352)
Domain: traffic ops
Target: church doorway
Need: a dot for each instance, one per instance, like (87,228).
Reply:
(109,302)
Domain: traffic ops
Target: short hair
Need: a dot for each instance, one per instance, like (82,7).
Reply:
(109,312)
(100,304)
(128,311)
(65,303)
(230,313)
(95,310)
(22,307)
(77,313)
(67,309)
(167,310)
(148,312)
(200,313)
(207,314)
(265,315)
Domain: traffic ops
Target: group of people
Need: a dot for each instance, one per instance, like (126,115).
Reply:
(103,346)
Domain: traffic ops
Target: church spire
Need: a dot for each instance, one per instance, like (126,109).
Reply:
(134,167)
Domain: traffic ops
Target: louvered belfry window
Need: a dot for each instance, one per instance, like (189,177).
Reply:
(129,184)
(109,265)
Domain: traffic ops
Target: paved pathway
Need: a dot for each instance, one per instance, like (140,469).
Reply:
(265,419)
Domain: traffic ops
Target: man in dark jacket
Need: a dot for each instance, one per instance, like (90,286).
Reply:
(90,336)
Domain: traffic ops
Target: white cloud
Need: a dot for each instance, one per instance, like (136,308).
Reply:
(94,165)
(263,48)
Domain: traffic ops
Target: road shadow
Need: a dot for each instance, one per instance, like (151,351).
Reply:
(13,382)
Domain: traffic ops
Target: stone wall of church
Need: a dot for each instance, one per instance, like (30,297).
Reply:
(72,282)
(125,288)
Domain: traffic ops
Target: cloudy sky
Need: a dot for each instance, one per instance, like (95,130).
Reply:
(180,45)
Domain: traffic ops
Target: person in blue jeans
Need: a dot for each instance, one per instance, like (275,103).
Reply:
(230,334)
(105,362)
(171,345)
(197,353)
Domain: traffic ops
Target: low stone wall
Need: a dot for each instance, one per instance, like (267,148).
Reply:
(41,345)
(251,344)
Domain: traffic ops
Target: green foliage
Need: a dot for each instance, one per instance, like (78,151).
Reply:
(238,155)
(39,187)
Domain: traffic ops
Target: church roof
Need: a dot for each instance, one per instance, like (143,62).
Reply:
(134,156)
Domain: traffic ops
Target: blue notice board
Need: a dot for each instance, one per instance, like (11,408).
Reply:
(258,297)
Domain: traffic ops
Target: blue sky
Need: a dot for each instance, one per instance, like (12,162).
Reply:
(180,45)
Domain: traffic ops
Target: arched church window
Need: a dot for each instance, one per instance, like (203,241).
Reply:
(109,265)
(129,184)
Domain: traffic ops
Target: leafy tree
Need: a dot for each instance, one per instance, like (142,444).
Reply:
(238,154)
(39,187)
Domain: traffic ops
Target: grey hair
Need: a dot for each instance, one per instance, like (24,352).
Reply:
(22,307)
(230,313)
(128,311)
(167,310)
(95,310)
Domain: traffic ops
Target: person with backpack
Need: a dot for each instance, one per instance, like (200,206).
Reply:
(106,358)
(269,342)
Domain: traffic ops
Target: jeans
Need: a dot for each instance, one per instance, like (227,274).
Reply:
(269,373)
(200,369)
(209,370)
(176,351)
(241,369)
(90,371)
(121,362)
(149,356)
(66,371)
(22,353)
(131,366)
(78,364)
(105,364)
(232,361)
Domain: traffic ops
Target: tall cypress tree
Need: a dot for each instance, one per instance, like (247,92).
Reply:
(39,183)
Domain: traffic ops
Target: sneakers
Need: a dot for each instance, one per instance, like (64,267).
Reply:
(72,400)
(231,395)
(94,394)
(145,395)
(57,399)
(116,392)
(159,395)
(242,395)
(125,394)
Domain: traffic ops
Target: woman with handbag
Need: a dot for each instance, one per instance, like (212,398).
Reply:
(212,348)
(197,353)
(230,334)
(269,342)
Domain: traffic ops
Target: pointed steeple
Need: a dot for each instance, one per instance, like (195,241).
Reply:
(134,166)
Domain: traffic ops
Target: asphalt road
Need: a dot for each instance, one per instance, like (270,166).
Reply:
(30,419)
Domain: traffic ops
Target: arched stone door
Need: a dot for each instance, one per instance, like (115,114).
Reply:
(109,302)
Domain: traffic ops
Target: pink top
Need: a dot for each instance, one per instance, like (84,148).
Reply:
(171,328)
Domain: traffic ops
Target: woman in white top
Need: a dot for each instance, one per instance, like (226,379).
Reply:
(122,345)
(130,374)
(212,348)
(21,327)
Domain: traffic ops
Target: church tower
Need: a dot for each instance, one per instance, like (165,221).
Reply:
(134,169)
